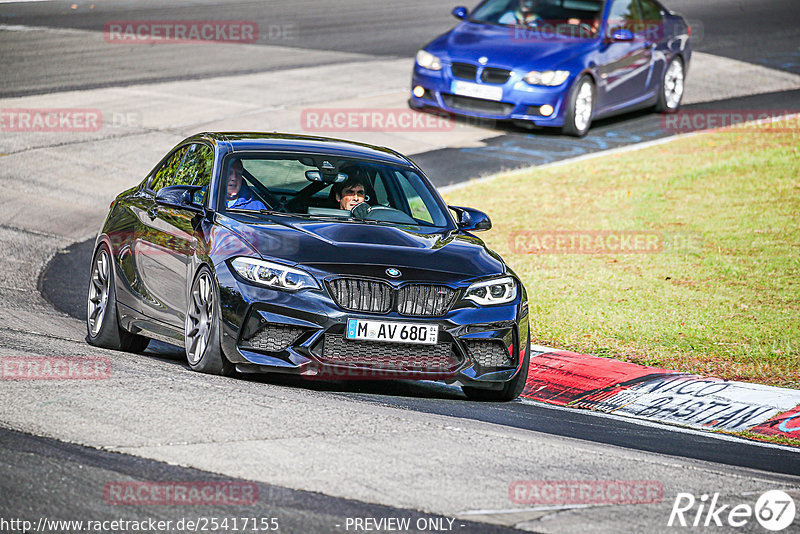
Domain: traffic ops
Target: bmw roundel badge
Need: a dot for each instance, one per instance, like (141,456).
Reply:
(394,273)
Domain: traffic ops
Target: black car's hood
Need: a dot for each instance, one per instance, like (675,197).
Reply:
(505,48)
(300,241)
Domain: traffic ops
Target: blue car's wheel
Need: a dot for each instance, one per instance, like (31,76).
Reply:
(102,323)
(580,107)
(203,350)
(671,93)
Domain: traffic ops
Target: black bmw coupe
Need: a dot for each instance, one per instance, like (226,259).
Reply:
(273,253)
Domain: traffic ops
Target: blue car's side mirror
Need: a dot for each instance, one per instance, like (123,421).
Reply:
(460,12)
(622,34)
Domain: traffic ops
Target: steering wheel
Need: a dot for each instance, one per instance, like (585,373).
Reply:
(381,213)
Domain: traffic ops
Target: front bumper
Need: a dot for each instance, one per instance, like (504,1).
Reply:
(270,331)
(520,100)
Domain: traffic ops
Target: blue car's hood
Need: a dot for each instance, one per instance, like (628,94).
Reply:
(295,240)
(508,47)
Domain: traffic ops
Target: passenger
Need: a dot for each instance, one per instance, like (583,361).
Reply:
(238,194)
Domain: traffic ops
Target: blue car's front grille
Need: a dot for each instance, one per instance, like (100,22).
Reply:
(493,75)
(478,105)
(372,296)
(465,71)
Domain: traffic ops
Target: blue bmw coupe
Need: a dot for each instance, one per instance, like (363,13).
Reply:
(559,63)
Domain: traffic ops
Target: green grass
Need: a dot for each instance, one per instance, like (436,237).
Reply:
(723,296)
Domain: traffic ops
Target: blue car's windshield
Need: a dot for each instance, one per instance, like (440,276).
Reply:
(323,186)
(579,18)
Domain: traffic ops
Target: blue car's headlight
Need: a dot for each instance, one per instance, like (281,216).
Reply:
(550,78)
(489,292)
(274,275)
(426,60)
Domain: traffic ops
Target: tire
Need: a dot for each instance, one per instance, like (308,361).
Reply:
(510,391)
(672,87)
(202,331)
(580,107)
(102,322)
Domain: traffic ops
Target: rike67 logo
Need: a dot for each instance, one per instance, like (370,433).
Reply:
(774,510)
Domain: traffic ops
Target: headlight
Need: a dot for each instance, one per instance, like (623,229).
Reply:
(426,60)
(550,78)
(274,275)
(490,292)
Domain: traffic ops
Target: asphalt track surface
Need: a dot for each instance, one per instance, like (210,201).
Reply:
(728,29)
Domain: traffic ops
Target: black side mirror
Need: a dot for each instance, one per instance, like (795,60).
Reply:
(179,196)
(471,220)
(460,12)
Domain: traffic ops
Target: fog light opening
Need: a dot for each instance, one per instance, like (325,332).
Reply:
(546,110)
(419,91)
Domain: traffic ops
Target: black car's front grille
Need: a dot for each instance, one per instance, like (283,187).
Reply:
(478,105)
(465,71)
(395,356)
(372,296)
(423,300)
(493,75)
(274,338)
(355,294)
(488,352)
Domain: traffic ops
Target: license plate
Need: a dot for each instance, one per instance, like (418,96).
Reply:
(476,90)
(424,334)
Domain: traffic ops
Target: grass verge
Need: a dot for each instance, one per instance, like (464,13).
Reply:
(715,286)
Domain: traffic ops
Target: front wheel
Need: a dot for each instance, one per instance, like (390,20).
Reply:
(102,323)
(202,335)
(512,389)
(671,93)
(580,107)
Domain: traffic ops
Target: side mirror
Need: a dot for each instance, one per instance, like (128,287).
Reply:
(460,12)
(622,35)
(471,220)
(179,196)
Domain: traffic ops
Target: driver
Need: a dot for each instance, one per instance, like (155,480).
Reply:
(350,193)
(524,15)
(238,194)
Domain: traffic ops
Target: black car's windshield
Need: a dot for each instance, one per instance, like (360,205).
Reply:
(321,186)
(560,16)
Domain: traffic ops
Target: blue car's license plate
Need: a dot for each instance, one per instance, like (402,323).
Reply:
(361,329)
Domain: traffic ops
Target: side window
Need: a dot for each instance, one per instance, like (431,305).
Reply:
(652,25)
(418,209)
(166,173)
(196,170)
(624,14)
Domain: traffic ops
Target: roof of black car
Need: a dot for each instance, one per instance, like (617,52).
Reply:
(254,141)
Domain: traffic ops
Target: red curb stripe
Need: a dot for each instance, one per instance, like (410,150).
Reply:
(786,425)
(562,377)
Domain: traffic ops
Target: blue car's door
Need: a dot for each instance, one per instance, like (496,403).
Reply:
(624,65)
